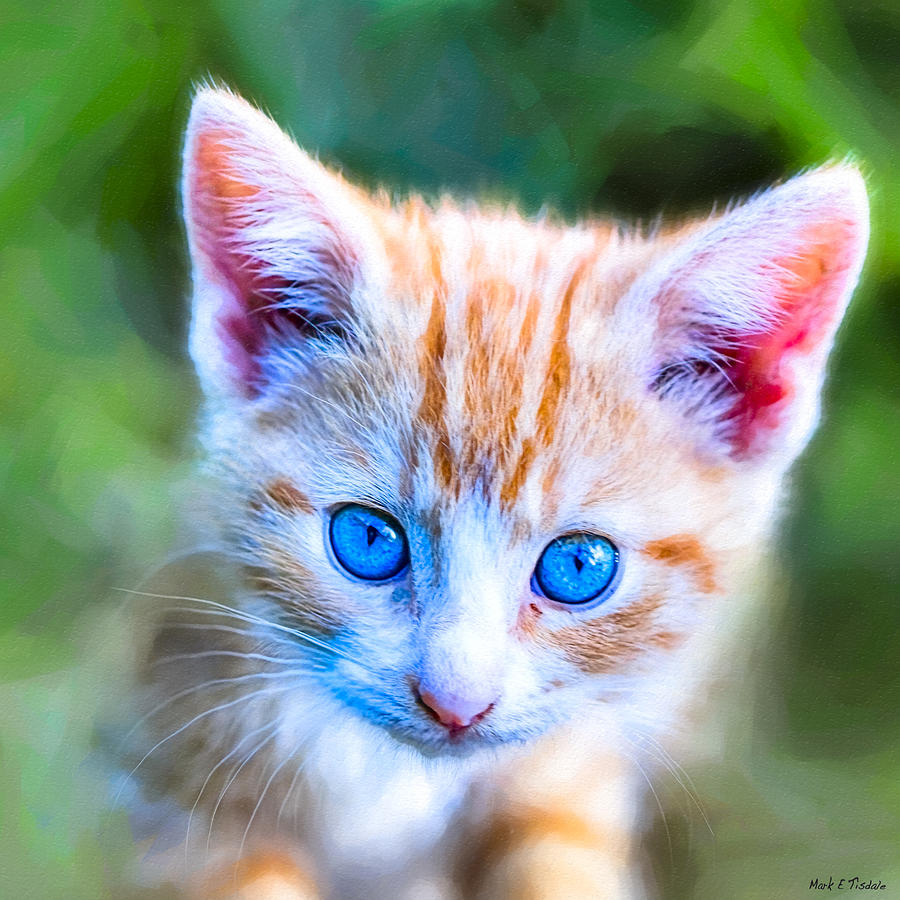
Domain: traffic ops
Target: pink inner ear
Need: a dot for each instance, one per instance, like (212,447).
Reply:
(222,204)
(249,318)
(809,290)
(216,194)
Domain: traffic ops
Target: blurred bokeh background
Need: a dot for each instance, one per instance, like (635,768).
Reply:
(631,108)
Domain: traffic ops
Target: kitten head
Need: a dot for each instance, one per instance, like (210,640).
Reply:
(497,470)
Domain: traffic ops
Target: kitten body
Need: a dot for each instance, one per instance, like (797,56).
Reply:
(491,385)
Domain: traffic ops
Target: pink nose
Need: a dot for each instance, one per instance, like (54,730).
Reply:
(453,711)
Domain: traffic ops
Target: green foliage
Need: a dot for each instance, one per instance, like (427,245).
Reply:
(595,106)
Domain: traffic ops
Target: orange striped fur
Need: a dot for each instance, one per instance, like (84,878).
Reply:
(486,385)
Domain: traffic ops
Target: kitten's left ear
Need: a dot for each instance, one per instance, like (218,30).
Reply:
(278,243)
(746,308)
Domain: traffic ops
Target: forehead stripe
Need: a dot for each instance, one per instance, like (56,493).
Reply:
(559,368)
(433,408)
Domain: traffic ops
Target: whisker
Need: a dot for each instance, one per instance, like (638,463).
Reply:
(237,654)
(662,812)
(210,626)
(290,790)
(680,774)
(221,762)
(176,556)
(237,679)
(259,803)
(242,632)
(230,782)
(248,617)
(197,718)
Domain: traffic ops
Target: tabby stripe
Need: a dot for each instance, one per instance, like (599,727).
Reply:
(685,550)
(433,408)
(559,368)
(288,496)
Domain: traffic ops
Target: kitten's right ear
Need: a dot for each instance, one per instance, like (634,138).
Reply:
(277,242)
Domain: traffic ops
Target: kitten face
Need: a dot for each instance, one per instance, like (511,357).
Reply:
(409,407)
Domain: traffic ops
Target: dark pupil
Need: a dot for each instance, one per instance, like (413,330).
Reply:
(371,534)
(579,565)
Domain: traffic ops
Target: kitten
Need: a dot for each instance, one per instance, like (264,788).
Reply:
(485,489)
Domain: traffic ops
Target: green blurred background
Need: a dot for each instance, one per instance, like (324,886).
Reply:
(633,108)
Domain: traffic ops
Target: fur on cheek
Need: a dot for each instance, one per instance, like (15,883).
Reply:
(609,642)
(307,601)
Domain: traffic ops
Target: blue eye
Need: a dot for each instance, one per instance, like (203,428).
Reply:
(576,568)
(368,543)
